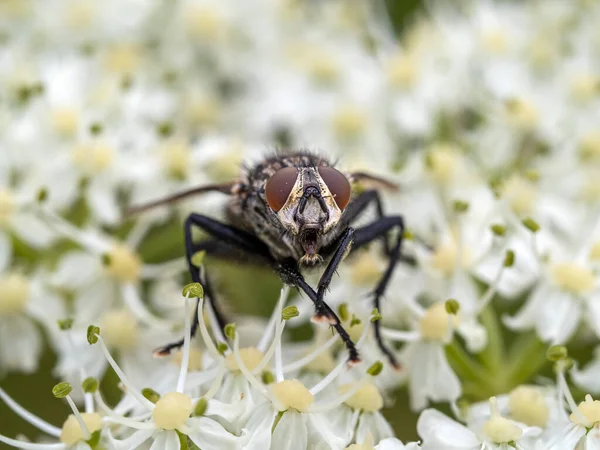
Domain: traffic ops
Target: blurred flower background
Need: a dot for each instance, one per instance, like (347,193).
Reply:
(485,113)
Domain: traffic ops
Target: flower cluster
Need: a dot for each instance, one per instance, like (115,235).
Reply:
(486,115)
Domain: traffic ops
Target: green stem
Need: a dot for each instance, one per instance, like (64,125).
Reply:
(463,364)
(526,358)
(493,355)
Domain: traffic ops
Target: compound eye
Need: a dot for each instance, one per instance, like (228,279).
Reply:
(338,185)
(279,187)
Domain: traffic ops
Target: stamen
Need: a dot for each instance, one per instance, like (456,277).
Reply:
(67,230)
(249,376)
(491,290)
(134,303)
(283,294)
(185,360)
(277,338)
(339,399)
(563,386)
(131,423)
(84,429)
(401,336)
(216,384)
(130,388)
(307,359)
(210,346)
(29,417)
(31,446)
(338,369)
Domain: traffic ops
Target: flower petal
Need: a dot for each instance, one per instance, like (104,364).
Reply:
(20,344)
(291,432)
(210,435)
(6,251)
(436,429)
(166,440)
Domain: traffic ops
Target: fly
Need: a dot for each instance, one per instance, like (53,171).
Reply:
(290,212)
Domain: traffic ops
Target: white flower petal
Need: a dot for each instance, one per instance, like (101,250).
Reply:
(32,230)
(132,441)
(6,251)
(291,432)
(166,440)
(374,424)
(431,377)
(210,435)
(77,269)
(103,202)
(396,444)
(259,428)
(436,429)
(20,344)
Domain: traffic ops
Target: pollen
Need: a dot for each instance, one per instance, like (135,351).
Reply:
(172,410)
(435,323)
(292,394)
(367,398)
(495,41)
(93,158)
(14,293)
(584,86)
(349,122)
(123,264)
(522,114)
(195,361)
(120,329)
(251,356)
(176,159)
(520,194)
(65,121)
(573,277)
(528,405)
(365,269)
(72,433)
(402,72)
(7,206)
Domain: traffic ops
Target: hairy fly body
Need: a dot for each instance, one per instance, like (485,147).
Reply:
(295,211)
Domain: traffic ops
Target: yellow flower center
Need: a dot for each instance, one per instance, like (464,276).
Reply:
(120,329)
(195,361)
(71,432)
(527,405)
(93,157)
(123,264)
(366,398)
(7,206)
(501,430)
(14,293)
(443,162)
(495,41)
(435,324)
(589,409)
(349,122)
(595,252)
(585,86)
(445,258)
(65,121)
(520,194)
(172,410)
(365,269)
(573,277)
(204,22)
(203,112)
(176,159)
(402,71)
(226,165)
(589,146)
(542,53)
(522,114)
(251,357)
(292,394)
(80,15)
(123,59)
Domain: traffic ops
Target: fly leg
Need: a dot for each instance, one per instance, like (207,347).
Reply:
(290,274)
(367,234)
(228,243)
